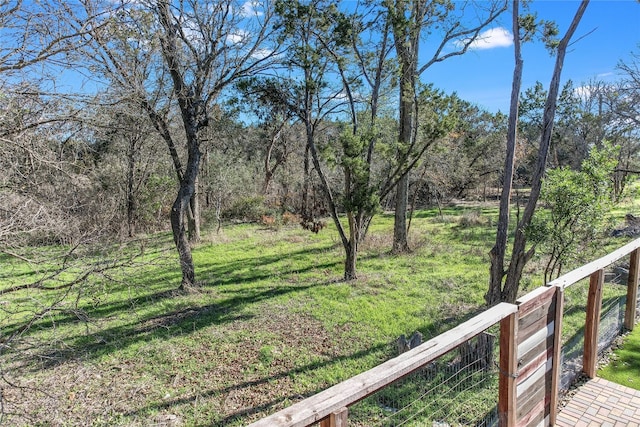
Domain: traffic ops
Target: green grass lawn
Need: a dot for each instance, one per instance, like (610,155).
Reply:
(272,321)
(624,365)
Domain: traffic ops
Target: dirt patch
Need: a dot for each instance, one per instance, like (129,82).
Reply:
(216,376)
(75,393)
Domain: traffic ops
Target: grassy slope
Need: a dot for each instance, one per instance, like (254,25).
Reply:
(272,322)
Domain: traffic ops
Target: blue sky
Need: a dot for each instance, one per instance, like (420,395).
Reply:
(611,30)
(483,76)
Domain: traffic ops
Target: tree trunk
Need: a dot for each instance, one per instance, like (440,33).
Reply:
(130,193)
(400,243)
(269,170)
(497,253)
(406,138)
(306,185)
(351,251)
(358,225)
(182,206)
(194,216)
(519,259)
(267,181)
(520,255)
(178,226)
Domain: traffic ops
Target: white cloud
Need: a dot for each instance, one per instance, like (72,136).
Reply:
(238,37)
(262,53)
(587,92)
(584,92)
(249,8)
(490,39)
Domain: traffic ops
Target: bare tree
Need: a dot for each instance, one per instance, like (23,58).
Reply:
(186,53)
(630,88)
(39,32)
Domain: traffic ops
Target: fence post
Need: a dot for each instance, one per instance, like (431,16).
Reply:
(508,370)
(632,290)
(336,419)
(557,355)
(594,305)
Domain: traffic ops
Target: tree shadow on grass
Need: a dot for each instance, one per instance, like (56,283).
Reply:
(246,412)
(254,269)
(106,341)
(242,273)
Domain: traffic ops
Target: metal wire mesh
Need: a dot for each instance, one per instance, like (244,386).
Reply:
(575,306)
(610,327)
(458,389)
(611,322)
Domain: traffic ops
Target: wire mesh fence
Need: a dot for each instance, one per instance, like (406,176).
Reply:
(462,386)
(575,306)
(459,388)
(611,320)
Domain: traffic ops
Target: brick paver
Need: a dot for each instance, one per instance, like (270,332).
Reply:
(601,403)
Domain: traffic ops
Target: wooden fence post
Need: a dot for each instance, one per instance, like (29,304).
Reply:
(557,355)
(594,305)
(336,419)
(632,290)
(508,370)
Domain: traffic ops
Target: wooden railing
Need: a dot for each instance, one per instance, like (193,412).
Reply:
(530,346)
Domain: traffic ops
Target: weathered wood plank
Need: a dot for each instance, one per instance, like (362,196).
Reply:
(534,340)
(588,269)
(557,358)
(536,418)
(540,391)
(540,349)
(536,320)
(336,419)
(526,368)
(632,290)
(319,406)
(508,368)
(533,417)
(594,306)
(534,299)
(533,379)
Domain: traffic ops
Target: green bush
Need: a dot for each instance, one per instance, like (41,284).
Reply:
(250,208)
(577,204)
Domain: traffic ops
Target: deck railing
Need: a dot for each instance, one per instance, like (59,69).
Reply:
(530,346)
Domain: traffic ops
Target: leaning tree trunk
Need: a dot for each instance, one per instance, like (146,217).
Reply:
(306,185)
(520,255)
(497,253)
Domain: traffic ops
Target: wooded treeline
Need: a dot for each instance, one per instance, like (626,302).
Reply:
(121,118)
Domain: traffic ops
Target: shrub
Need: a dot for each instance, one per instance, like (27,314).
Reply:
(471,219)
(250,208)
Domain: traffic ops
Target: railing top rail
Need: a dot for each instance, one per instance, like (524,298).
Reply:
(586,270)
(348,392)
